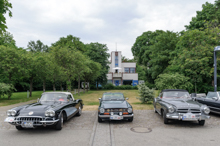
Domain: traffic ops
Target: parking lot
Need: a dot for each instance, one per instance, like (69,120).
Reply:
(146,129)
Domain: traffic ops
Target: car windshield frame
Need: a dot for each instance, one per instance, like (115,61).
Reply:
(53,97)
(113,97)
(176,95)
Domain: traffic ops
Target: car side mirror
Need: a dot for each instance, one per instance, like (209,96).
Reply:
(127,98)
(38,100)
(214,98)
(99,98)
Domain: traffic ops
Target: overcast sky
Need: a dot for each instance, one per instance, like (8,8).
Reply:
(103,21)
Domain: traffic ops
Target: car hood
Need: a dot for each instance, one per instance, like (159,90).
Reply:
(181,103)
(37,109)
(114,104)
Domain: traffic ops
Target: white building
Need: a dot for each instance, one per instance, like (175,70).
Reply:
(121,73)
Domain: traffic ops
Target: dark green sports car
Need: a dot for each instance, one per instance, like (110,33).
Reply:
(113,106)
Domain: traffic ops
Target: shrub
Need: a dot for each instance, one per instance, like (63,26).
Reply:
(6,89)
(109,86)
(146,94)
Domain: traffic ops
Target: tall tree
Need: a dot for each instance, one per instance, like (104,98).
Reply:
(5,7)
(98,53)
(6,39)
(37,46)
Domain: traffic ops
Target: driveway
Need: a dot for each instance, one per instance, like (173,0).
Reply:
(146,129)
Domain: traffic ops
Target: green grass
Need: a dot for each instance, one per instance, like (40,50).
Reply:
(19,97)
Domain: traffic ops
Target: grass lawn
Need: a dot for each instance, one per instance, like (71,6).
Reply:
(18,97)
(90,98)
(91,101)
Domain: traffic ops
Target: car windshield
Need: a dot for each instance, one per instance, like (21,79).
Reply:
(176,94)
(113,96)
(54,97)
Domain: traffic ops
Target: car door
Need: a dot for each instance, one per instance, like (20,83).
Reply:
(71,109)
(158,100)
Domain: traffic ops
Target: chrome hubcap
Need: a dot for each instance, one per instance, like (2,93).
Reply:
(61,120)
(80,111)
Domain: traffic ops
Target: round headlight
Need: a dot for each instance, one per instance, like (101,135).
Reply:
(171,109)
(130,110)
(102,110)
(9,112)
(13,112)
(47,113)
(206,110)
(52,113)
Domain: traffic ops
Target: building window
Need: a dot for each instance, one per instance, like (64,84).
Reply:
(126,70)
(116,61)
(132,70)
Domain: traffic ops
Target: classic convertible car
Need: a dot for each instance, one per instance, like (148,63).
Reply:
(177,104)
(212,100)
(51,109)
(113,106)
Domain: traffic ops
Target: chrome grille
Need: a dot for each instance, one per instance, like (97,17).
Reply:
(35,120)
(116,110)
(194,111)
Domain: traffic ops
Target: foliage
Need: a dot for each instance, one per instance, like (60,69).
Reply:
(37,47)
(5,7)
(173,81)
(98,53)
(6,39)
(6,89)
(146,94)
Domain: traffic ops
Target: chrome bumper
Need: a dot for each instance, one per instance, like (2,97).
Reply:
(108,116)
(198,117)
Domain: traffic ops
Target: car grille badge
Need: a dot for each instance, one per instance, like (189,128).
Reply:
(31,113)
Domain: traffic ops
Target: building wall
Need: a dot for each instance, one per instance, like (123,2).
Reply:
(128,65)
(130,76)
(109,76)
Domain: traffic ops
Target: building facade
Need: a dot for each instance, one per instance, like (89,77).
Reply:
(121,73)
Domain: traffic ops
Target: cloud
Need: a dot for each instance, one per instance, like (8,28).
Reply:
(107,21)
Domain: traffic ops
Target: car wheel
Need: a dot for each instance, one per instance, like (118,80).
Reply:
(165,120)
(130,120)
(99,120)
(202,122)
(80,111)
(59,125)
(155,110)
(19,128)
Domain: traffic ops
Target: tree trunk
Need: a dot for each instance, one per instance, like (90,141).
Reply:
(54,86)
(61,88)
(31,86)
(44,85)
(97,85)
(69,88)
(9,78)
(78,85)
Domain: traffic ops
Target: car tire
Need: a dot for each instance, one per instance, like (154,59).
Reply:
(59,124)
(19,128)
(99,120)
(130,120)
(155,110)
(80,111)
(165,120)
(202,122)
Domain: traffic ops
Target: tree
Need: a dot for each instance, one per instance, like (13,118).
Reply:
(37,47)
(146,94)
(70,42)
(173,81)
(6,39)
(6,89)
(5,7)
(98,53)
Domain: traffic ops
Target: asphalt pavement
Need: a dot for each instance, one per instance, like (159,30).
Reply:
(146,129)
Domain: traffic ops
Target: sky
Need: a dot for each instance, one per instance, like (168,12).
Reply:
(108,22)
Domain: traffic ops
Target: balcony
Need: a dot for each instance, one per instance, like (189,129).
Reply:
(117,75)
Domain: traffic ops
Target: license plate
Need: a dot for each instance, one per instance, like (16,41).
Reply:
(116,117)
(189,116)
(27,124)
(9,119)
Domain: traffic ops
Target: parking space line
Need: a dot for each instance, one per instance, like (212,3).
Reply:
(92,138)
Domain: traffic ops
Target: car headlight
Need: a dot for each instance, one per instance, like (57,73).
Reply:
(11,112)
(130,110)
(102,110)
(50,113)
(171,109)
(206,110)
